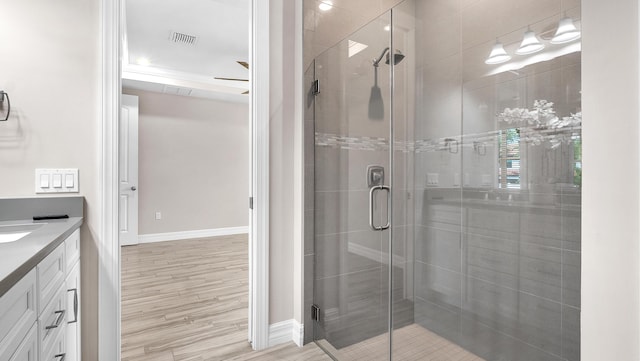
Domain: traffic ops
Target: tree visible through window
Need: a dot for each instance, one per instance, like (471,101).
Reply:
(509,158)
(577,160)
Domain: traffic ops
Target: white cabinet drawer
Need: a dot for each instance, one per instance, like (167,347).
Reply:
(57,350)
(53,320)
(73,317)
(18,314)
(51,274)
(28,349)
(72,244)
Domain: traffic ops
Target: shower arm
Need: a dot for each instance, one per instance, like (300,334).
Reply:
(377,61)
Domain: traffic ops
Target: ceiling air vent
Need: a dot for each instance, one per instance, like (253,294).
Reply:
(168,89)
(182,38)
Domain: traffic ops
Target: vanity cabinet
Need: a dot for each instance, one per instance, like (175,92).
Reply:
(28,349)
(72,245)
(40,314)
(18,317)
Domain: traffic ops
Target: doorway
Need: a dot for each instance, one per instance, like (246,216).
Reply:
(193,186)
(109,275)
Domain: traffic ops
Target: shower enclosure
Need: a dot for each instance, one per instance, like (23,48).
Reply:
(446,184)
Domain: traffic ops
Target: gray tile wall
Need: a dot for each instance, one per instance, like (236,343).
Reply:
(503,267)
(496,271)
(351,262)
(498,277)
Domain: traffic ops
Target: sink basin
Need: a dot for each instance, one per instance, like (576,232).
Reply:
(14,232)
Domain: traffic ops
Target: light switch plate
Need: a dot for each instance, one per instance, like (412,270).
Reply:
(433,179)
(57,180)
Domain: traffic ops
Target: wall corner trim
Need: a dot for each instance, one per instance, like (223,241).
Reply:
(109,247)
(200,233)
(286,331)
(259,216)
(298,333)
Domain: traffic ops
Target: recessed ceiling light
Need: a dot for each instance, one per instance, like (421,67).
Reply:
(325,5)
(387,27)
(143,61)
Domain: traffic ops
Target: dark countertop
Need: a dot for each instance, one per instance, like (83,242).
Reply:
(19,257)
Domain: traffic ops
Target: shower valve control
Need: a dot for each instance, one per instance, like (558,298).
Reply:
(375,175)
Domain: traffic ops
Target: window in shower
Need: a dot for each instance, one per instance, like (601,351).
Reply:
(577,161)
(509,158)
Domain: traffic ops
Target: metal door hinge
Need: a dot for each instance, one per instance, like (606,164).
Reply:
(250,202)
(315,313)
(316,87)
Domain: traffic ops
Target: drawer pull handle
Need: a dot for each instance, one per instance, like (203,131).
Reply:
(61,355)
(59,319)
(75,304)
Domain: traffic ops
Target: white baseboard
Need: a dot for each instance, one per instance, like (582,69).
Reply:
(201,233)
(286,331)
(298,333)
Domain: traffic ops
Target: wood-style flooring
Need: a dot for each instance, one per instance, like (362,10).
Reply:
(410,343)
(188,300)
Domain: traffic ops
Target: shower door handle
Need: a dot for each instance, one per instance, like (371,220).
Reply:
(372,193)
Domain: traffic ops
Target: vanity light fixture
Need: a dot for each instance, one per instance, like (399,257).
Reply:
(566,32)
(530,44)
(498,55)
(325,5)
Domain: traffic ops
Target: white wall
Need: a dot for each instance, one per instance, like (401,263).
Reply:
(50,66)
(281,197)
(611,182)
(193,163)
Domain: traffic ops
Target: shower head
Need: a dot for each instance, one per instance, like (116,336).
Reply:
(397,57)
(376,104)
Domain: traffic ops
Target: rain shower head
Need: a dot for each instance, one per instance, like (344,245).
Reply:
(376,105)
(397,57)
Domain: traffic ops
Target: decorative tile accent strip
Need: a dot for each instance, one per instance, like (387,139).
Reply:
(454,144)
(352,143)
(382,144)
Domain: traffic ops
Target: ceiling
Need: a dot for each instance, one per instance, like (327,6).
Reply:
(221,31)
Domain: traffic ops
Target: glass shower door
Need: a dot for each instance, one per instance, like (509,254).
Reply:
(353,175)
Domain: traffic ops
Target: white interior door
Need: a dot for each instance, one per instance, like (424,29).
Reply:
(128,165)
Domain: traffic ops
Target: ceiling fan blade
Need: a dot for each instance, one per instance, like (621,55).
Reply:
(244,63)
(233,79)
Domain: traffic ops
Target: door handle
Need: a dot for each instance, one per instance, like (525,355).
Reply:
(75,304)
(372,193)
(133,188)
(59,318)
